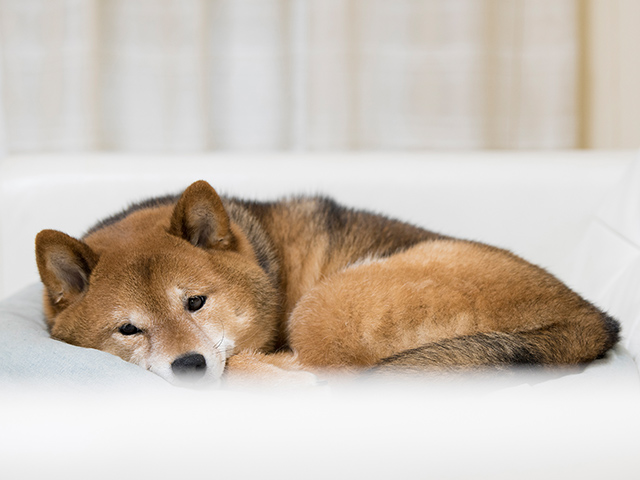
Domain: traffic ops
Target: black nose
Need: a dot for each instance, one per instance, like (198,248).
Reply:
(190,365)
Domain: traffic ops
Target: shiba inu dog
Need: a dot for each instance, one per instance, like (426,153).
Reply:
(187,285)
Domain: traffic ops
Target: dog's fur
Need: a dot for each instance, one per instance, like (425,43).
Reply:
(341,289)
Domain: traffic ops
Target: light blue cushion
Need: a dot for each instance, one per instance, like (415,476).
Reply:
(29,355)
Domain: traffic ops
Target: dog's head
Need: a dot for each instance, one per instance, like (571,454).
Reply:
(175,289)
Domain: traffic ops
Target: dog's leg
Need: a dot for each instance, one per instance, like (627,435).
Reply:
(273,370)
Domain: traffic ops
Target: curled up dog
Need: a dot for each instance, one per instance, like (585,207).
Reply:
(195,286)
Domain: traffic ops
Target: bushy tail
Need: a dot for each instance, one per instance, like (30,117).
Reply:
(566,343)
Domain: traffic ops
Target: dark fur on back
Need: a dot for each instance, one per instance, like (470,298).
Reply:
(359,232)
(344,225)
(350,227)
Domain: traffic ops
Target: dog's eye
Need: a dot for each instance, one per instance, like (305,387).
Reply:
(128,329)
(195,303)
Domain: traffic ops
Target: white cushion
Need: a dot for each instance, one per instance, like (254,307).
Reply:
(560,428)
(605,266)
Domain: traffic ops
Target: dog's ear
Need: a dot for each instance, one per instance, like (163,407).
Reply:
(200,218)
(65,265)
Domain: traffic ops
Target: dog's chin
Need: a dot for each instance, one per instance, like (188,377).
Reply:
(197,381)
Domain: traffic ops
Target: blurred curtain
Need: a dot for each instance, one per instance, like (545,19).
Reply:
(611,73)
(201,75)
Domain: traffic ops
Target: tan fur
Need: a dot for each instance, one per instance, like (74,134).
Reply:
(342,289)
(304,258)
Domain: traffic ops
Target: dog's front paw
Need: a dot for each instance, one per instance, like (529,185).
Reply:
(259,370)
(299,378)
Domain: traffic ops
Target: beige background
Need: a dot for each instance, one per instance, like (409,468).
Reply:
(611,74)
(204,75)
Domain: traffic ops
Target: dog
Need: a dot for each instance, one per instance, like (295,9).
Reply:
(194,286)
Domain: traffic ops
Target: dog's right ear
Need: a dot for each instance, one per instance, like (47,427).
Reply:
(200,218)
(65,265)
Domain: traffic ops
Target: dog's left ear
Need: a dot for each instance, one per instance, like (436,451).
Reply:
(65,265)
(200,218)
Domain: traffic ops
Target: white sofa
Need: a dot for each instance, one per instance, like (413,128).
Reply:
(575,213)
